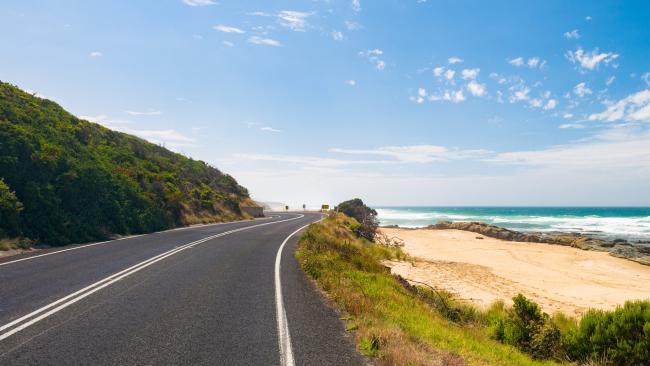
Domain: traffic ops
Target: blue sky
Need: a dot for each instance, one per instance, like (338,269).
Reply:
(399,102)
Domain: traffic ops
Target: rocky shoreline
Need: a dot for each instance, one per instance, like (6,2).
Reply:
(618,247)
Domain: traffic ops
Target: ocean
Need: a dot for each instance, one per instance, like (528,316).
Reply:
(631,223)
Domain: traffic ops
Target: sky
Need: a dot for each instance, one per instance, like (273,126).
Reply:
(398,102)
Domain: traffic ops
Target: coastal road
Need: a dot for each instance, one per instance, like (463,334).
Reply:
(223,294)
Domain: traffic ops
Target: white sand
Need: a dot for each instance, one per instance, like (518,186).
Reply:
(482,270)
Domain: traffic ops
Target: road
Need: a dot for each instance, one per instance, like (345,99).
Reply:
(224,294)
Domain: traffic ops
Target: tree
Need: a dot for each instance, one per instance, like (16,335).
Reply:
(10,208)
(366,216)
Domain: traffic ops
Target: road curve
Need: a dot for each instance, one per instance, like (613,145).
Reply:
(201,295)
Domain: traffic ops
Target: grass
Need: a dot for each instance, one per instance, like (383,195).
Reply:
(15,243)
(395,324)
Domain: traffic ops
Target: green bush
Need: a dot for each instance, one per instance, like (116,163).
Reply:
(622,335)
(366,217)
(619,337)
(526,327)
(10,208)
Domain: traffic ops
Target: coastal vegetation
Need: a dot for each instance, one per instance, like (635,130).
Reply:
(365,216)
(66,180)
(398,323)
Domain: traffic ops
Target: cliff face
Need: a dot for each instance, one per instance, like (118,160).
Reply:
(619,248)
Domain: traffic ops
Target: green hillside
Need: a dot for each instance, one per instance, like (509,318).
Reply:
(65,180)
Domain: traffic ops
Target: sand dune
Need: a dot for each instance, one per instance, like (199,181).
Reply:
(483,270)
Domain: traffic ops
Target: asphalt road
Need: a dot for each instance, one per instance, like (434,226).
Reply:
(217,294)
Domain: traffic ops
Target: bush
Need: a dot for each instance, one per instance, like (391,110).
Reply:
(621,336)
(526,327)
(366,217)
(10,208)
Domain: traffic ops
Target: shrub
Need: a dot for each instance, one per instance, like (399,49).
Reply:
(526,327)
(366,217)
(10,208)
(622,336)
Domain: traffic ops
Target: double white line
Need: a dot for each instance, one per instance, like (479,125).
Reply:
(47,310)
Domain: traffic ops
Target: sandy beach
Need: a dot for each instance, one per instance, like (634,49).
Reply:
(482,269)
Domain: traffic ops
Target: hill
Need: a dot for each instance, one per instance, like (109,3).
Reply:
(66,180)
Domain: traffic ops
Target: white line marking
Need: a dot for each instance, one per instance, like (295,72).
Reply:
(286,353)
(88,290)
(82,246)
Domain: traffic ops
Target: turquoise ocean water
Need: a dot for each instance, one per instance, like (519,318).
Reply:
(632,223)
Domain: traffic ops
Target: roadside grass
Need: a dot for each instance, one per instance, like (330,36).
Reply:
(15,243)
(395,324)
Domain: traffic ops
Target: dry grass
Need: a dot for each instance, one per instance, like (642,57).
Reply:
(15,243)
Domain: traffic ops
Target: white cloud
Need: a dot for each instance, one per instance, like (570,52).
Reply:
(646,78)
(105,121)
(148,113)
(454,60)
(476,89)
(307,161)
(567,115)
(519,93)
(198,2)
(356,5)
(532,62)
(588,18)
(337,35)
(590,60)
(438,71)
(294,20)
(228,29)
(416,153)
(162,136)
(499,97)
(270,129)
(228,44)
(617,149)
(610,80)
(422,92)
(581,174)
(350,25)
(449,74)
(373,57)
(633,108)
(263,41)
(572,125)
(550,104)
(449,96)
(535,102)
(168,137)
(96,54)
(470,74)
(499,79)
(519,61)
(581,90)
(351,82)
(574,34)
